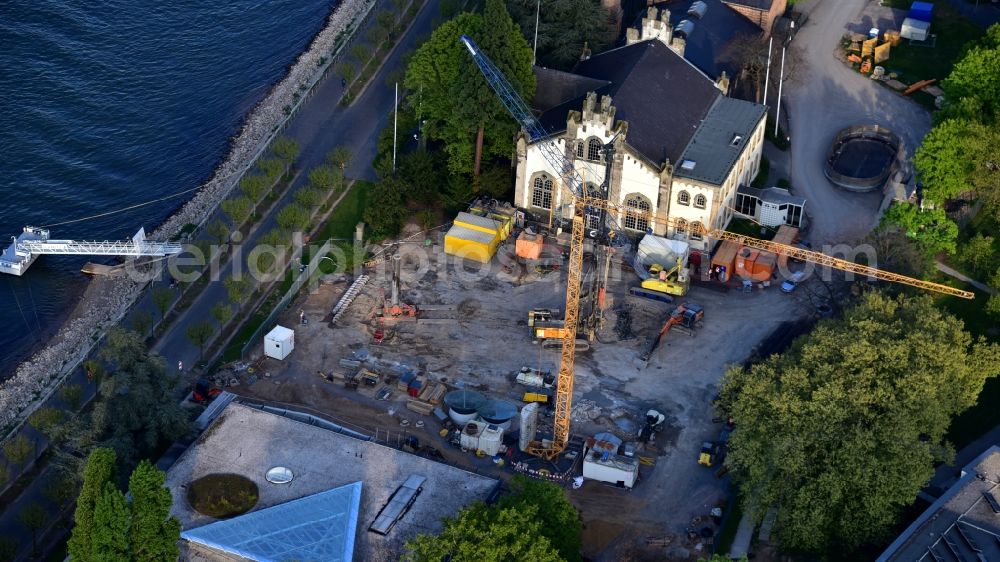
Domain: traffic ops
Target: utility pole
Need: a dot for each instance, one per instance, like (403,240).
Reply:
(767,74)
(781,82)
(534,51)
(395,121)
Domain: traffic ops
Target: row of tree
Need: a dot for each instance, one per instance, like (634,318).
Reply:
(959,161)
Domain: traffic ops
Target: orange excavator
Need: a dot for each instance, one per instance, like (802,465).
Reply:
(685,317)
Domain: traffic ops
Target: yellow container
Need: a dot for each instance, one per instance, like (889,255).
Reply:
(470,244)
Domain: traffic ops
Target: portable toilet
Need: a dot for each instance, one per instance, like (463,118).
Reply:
(279,342)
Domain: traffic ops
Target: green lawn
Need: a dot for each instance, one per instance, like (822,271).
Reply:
(347,214)
(953,30)
(747,227)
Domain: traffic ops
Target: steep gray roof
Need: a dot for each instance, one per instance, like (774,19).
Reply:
(555,87)
(662,96)
(720,140)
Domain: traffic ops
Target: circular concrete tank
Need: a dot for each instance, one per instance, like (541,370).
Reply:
(862,157)
(463,404)
(498,412)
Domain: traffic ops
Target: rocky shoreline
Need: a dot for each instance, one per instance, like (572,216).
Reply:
(107,300)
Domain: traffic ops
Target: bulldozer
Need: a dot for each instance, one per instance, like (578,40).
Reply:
(685,318)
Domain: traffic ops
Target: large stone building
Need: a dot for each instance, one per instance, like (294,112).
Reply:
(682,147)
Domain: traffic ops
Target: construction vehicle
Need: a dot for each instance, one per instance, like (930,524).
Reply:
(587,206)
(552,337)
(672,282)
(708,453)
(654,424)
(685,318)
(535,378)
(204,392)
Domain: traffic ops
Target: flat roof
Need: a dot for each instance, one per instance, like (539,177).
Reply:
(720,140)
(961,523)
(466,233)
(248,441)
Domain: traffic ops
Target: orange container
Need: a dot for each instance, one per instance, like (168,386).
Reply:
(754,264)
(529,246)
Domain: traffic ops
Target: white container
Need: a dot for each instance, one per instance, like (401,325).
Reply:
(490,440)
(469,438)
(279,342)
(614,469)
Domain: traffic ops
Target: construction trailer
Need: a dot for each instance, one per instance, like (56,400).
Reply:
(602,462)
(528,246)
(724,259)
(755,265)
(915,29)
(481,436)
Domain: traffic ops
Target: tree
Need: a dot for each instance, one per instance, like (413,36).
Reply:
(559,521)
(34,517)
(340,157)
(254,187)
(899,253)
(163,297)
(423,173)
(238,209)
(385,212)
(485,535)
(293,217)
(842,431)
(8,549)
(387,21)
(46,420)
(61,488)
(286,149)
(99,470)
(272,169)
(18,449)
(136,411)
(111,526)
(142,322)
(564,27)
(218,230)
(346,71)
(931,229)
(309,197)
(72,395)
(361,53)
(978,254)
(972,89)
(222,312)
(153,533)
(944,161)
(199,334)
(4,474)
(325,178)
(461,109)
(238,289)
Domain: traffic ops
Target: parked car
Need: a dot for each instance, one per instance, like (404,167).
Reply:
(789,284)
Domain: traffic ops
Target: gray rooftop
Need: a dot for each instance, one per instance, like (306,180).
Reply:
(961,524)
(719,140)
(247,441)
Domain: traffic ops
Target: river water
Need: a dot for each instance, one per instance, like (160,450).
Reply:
(112,103)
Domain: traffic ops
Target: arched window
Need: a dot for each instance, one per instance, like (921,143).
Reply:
(684,198)
(541,192)
(696,231)
(637,210)
(579,149)
(594,150)
(681,227)
(699,201)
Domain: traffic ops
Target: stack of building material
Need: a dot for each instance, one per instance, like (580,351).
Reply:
(433,393)
(473,237)
(419,407)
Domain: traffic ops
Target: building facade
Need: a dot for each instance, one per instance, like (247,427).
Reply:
(681,147)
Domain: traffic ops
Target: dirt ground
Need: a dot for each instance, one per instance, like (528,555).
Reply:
(480,339)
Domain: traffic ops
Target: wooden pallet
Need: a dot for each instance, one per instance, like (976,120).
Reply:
(420,407)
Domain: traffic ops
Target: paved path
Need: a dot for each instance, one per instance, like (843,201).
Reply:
(962,277)
(827,96)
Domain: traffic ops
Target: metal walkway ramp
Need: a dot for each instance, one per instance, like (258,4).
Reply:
(34,242)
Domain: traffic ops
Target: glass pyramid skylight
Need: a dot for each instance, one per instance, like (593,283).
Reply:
(316,528)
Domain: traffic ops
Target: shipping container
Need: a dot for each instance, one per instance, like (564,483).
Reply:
(490,440)
(529,246)
(724,259)
(607,467)
(754,264)
(786,235)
